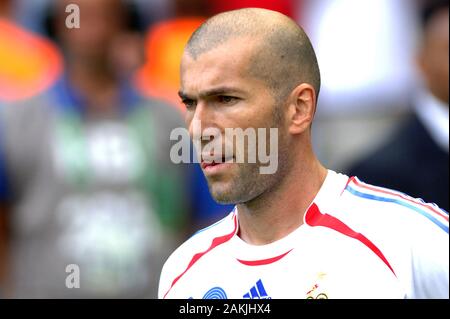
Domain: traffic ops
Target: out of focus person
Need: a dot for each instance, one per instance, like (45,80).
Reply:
(29,63)
(88,183)
(415,159)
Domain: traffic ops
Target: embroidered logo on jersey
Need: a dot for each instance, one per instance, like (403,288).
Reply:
(316,290)
(257,292)
(215,293)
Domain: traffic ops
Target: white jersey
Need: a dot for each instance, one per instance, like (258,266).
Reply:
(356,241)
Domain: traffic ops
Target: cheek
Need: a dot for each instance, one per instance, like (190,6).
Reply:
(444,68)
(257,115)
(437,63)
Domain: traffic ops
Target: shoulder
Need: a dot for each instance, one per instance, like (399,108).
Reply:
(387,206)
(162,110)
(26,108)
(393,215)
(409,234)
(156,119)
(25,119)
(196,247)
(402,151)
(391,219)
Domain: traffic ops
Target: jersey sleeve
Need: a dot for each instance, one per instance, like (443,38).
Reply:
(430,266)
(173,267)
(163,282)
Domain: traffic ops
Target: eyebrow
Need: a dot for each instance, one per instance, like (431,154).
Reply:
(212,92)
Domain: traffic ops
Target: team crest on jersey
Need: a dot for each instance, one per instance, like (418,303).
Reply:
(316,291)
(257,292)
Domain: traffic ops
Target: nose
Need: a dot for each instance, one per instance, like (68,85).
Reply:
(201,116)
(203,127)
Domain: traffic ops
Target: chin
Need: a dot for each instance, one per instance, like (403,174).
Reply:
(223,194)
(224,198)
(238,189)
(232,196)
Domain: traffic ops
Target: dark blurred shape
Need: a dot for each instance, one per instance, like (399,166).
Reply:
(416,159)
(29,63)
(428,8)
(191,8)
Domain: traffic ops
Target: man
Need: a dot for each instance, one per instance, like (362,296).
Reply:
(303,231)
(415,159)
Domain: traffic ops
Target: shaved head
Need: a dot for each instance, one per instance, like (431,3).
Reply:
(283,58)
(252,69)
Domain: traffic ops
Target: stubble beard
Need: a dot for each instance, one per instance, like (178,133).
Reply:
(249,184)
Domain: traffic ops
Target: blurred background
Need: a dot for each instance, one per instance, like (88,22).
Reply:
(85,118)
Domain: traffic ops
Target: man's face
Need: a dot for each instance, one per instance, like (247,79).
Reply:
(219,93)
(100,22)
(434,55)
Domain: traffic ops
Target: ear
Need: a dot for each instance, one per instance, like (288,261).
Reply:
(301,109)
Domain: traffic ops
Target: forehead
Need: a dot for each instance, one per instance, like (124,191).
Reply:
(225,65)
(91,6)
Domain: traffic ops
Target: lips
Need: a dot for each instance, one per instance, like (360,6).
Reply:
(215,162)
(205,164)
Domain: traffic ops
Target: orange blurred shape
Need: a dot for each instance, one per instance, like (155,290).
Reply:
(159,77)
(29,63)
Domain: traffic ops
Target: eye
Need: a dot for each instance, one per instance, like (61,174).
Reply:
(226,99)
(189,103)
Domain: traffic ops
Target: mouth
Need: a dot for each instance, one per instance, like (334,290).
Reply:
(206,164)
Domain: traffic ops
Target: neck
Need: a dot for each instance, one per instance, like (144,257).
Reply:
(277,212)
(96,83)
